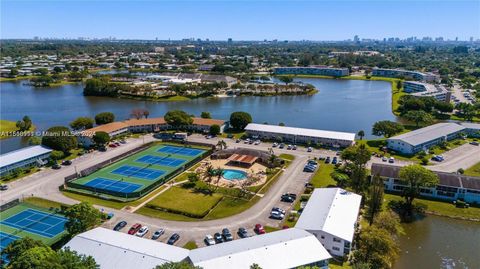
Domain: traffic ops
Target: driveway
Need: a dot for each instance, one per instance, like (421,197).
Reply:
(463,156)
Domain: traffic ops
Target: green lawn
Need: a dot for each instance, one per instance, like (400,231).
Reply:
(322,177)
(269,229)
(9,126)
(230,206)
(473,171)
(43,202)
(288,157)
(440,208)
(178,199)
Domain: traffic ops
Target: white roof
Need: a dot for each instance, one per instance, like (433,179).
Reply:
(117,250)
(470,125)
(331,210)
(281,249)
(22,154)
(428,133)
(300,131)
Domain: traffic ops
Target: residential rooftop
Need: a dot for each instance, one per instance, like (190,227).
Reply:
(429,133)
(300,131)
(22,154)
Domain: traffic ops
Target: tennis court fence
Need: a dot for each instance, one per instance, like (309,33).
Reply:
(10,204)
(137,194)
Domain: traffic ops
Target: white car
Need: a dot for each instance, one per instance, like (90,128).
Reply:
(257,142)
(209,240)
(143,231)
(275,145)
(309,149)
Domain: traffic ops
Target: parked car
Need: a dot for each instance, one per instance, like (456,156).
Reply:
(56,166)
(67,162)
(3,187)
(230,136)
(276,215)
(294,147)
(384,159)
(209,240)
(309,149)
(309,168)
(123,141)
(242,232)
(134,229)
(237,141)
(246,141)
(327,160)
(174,238)
(259,229)
(117,144)
(475,143)
(334,160)
(289,147)
(227,235)
(438,158)
(218,238)
(391,160)
(102,149)
(278,209)
(287,198)
(281,146)
(250,142)
(112,145)
(120,225)
(257,142)
(275,144)
(142,231)
(157,234)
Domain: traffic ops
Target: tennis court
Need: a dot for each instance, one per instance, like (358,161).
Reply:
(37,222)
(6,239)
(113,185)
(166,161)
(134,171)
(131,175)
(180,151)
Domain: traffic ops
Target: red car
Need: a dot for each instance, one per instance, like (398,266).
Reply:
(112,145)
(134,229)
(259,229)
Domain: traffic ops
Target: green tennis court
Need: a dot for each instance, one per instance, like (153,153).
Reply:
(140,170)
(25,219)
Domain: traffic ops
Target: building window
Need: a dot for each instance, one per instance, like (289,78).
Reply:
(337,240)
(336,249)
(322,236)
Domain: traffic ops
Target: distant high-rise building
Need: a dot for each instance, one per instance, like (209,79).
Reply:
(456,38)
(356,38)
(230,40)
(471,39)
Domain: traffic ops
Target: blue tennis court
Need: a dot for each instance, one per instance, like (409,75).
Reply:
(6,239)
(113,185)
(180,151)
(37,222)
(166,161)
(139,172)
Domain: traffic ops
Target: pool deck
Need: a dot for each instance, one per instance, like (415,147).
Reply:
(255,169)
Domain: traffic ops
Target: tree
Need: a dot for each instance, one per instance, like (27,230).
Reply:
(356,158)
(41,257)
(255,266)
(59,138)
(104,118)
(374,198)
(205,115)
(57,69)
(419,116)
(178,118)
(222,144)
(81,123)
(34,140)
(376,247)
(138,113)
(209,173)
(72,260)
(466,111)
(41,71)
(17,247)
(25,124)
(361,134)
(81,217)
(56,155)
(286,79)
(415,177)
(101,138)
(239,120)
(177,265)
(341,178)
(215,129)
(13,72)
(399,84)
(390,222)
(386,128)
(281,124)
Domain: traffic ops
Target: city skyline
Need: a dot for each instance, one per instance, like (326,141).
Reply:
(214,20)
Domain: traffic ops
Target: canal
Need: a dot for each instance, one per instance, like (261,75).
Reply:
(340,105)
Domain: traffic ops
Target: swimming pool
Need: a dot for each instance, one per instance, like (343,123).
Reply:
(232,174)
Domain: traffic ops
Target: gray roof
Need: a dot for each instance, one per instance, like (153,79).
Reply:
(331,210)
(288,248)
(300,131)
(22,154)
(470,125)
(428,133)
(445,179)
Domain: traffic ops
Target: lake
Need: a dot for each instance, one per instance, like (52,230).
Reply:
(440,243)
(340,105)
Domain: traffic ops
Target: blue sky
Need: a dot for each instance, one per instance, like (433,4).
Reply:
(240,20)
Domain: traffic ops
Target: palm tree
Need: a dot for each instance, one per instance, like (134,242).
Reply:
(273,160)
(361,134)
(222,144)
(209,173)
(219,173)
